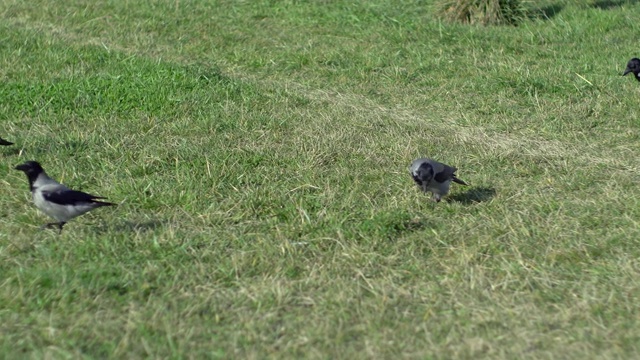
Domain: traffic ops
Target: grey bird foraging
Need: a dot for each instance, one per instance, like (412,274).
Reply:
(633,66)
(55,199)
(5,142)
(435,177)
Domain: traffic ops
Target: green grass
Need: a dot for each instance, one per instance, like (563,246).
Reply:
(258,151)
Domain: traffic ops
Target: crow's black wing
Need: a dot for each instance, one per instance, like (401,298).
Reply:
(69,197)
(447,173)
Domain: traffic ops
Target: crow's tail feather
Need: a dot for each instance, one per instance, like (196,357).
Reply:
(456,180)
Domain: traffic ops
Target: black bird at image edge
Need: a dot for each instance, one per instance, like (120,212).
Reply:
(633,66)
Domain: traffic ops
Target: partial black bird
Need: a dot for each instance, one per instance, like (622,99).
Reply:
(5,142)
(435,177)
(633,66)
(55,199)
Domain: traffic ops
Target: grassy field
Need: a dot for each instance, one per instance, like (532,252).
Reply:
(258,151)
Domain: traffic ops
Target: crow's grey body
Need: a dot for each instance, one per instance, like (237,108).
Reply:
(55,199)
(432,176)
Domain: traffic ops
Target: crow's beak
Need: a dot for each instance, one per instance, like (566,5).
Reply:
(626,71)
(22,167)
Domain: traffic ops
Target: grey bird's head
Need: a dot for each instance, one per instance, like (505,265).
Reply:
(633,66)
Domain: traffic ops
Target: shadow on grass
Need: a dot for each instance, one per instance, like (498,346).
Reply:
(608,4)
(140,226)
(8,151)
(546,13)
(132,226)
(391,225)
(416,224)
(474,195)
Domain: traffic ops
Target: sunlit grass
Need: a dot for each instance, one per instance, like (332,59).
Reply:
(258,152)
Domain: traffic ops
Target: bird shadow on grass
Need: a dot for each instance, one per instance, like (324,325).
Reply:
(10,152)
(391,225)
(132,226)
(545,13)
(608,4)
(474,195)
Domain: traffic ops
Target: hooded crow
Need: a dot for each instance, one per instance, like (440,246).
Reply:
(5,142)
(633,66)
(432,176)
(55,199)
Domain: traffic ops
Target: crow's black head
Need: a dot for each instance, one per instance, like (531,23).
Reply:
(633,66)
(32,169)
(423,174)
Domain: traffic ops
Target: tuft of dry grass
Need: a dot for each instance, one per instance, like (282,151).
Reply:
(485,12)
